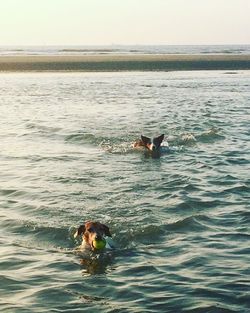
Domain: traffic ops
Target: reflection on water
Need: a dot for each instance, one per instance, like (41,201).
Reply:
(97,265)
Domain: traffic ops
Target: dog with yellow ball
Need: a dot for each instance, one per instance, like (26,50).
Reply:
(95,236)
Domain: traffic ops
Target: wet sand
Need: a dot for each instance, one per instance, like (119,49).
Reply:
(101,63)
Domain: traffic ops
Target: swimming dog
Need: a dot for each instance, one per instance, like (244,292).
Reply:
(152,145)
(92,231)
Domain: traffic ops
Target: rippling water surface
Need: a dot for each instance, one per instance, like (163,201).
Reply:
(124,49)
(180,222)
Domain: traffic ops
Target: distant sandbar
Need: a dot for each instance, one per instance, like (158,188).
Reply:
(110,63)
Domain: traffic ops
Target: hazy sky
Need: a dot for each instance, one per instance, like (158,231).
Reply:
(82,22)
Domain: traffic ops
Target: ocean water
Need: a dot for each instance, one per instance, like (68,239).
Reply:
(180,222)
(124,49)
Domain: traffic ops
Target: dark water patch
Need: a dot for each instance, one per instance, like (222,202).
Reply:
(10,192)
(192,187)
(13,283)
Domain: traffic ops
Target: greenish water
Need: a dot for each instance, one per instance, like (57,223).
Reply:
(180,222)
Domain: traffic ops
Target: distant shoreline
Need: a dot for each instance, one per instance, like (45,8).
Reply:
(116,63)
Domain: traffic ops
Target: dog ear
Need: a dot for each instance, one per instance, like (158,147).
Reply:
(145,139)
(80,231)
(106,230)
(160,138)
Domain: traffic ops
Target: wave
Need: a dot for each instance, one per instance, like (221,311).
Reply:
(90,51)
(83,137)
(194,223)
(158,233)
(32,234)
(122,148)
(124,145)
(126,49)
(189,138)
(210,135)
(214,308)
(42,128)
(114,145)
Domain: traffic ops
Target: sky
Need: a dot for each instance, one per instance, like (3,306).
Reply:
(134,22)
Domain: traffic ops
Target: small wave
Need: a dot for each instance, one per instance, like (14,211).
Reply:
(78,137)
(224,181)
(7,192)
(89,51)
(210,135)
(240,189)
(190,139)
(193,223)
(112,145)
(28,233)
(144,234)
(216,308)
(154,233)
(87,138)
(117,145)
(122,148)
(43,129)
(185,139)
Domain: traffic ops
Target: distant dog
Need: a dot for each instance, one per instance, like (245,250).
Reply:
(152,145)
(92,231)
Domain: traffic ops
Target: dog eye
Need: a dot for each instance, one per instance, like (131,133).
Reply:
(90,230)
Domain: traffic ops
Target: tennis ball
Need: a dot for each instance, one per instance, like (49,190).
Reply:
(99,244)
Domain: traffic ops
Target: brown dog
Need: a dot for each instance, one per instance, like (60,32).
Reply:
(91,231)
(152,145)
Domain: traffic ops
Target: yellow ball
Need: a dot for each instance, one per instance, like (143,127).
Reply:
(99,244)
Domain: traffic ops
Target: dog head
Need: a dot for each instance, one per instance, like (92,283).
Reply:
(152,144)
(91,231)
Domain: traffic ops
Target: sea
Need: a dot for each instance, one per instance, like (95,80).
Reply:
(180,222)
(124,49)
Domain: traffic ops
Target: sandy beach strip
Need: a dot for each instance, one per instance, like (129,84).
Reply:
(101,63)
